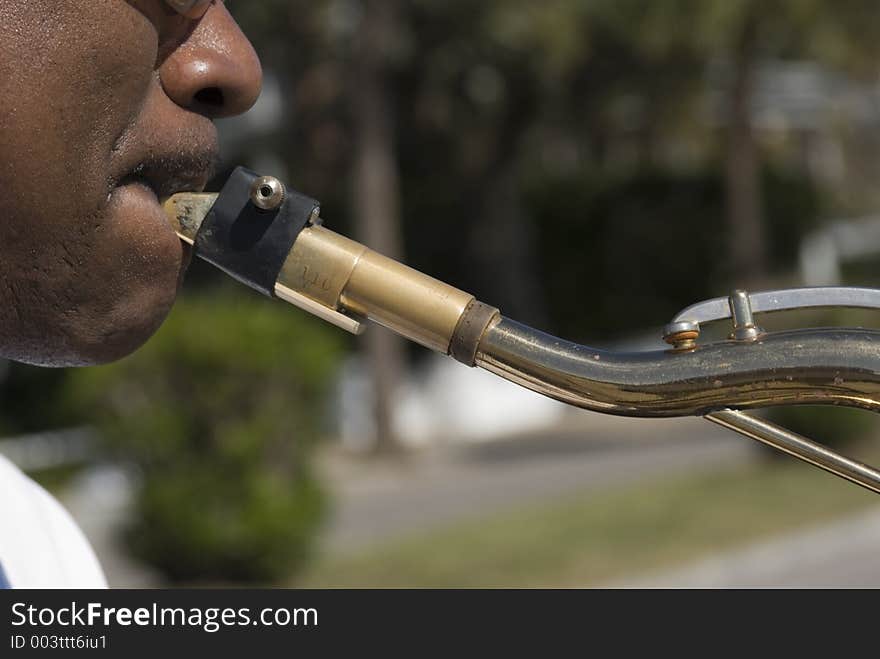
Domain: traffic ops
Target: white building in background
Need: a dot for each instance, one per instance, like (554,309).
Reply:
(823,252)
(441,401)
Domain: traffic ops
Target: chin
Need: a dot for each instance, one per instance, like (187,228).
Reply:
(103,330)
(99,286)
(114,332)
(120,336)
(130,304)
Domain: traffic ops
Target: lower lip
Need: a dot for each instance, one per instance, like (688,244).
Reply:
(139,187)
(138,202)
(137,199)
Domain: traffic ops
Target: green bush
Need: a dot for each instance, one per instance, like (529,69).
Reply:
(220,411)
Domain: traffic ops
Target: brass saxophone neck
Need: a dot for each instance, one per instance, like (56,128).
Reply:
(273,240)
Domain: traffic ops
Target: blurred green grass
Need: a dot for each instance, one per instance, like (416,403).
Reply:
(591,539)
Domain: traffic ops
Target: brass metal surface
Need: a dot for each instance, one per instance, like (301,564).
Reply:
(187,210)
(344,275)
(811,366)
(332,276)
(343,281)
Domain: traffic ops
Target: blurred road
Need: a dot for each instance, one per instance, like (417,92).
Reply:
(100,500)
(376,501)
(844,553)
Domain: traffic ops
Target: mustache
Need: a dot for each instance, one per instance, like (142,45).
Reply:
(167,174)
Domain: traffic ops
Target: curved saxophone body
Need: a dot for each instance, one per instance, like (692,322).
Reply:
(346,283)
(798,367)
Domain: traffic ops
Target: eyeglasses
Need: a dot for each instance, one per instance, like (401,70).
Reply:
(190,8)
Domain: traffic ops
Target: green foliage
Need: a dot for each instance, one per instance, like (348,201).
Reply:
(219,411)
(842,33)
(645,246)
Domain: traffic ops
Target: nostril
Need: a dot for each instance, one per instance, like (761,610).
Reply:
(210,97)
(215,72)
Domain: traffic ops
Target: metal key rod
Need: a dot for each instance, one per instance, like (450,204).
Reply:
(799,447)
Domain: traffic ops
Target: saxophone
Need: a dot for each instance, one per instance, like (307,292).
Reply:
(272,238)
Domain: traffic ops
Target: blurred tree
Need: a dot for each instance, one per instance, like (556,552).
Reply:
(739,34)
(491,98)
(642,272)
(376,187)
(338,59)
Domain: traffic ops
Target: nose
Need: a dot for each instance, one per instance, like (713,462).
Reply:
(215,71)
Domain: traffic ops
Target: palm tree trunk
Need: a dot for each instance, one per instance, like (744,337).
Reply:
(376,195)
(747,241)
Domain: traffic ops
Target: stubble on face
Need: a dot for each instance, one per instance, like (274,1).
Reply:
(88,266)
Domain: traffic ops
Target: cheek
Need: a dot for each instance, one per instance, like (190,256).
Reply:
(91,275)
(128,286)
(93,298)
(68,91)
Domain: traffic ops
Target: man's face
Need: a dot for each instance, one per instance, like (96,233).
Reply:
(104,105)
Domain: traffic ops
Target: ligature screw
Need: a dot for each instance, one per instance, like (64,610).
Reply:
(267,193)
(682,335)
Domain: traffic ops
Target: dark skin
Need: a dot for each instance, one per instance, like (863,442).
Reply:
(105,107)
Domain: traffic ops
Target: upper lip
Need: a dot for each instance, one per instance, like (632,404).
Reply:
(178,158)
(165,176)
